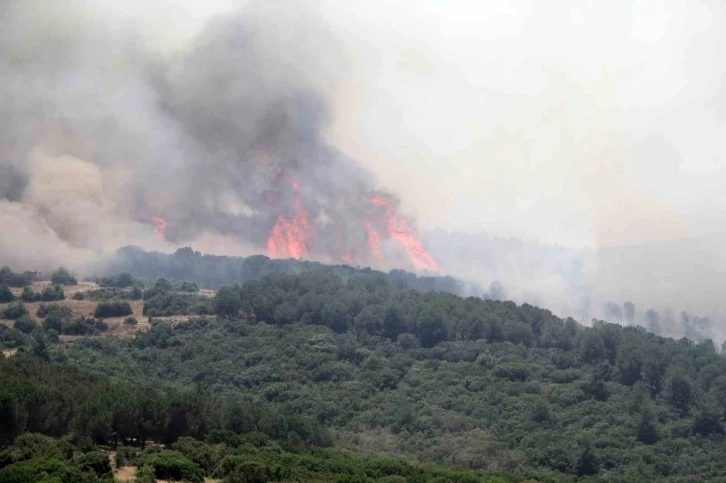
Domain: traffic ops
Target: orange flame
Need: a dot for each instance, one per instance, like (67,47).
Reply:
(160,226)
(400,230)
(374,241)
(290,237)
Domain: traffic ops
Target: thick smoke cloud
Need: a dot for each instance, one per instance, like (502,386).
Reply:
(221,139)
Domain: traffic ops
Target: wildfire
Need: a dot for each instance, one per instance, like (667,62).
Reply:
(374,241)
(160,226)
(400,230)
(291,237)
(293,234)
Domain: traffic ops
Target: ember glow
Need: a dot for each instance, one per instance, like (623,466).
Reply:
(400,230)
(160,226)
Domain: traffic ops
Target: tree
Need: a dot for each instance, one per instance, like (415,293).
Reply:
(63,277)
(227,302)
(25,324)
(587,460)
(647,430)
(14,310)
(5,294)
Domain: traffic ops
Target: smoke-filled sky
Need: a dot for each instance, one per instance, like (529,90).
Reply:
(582,124)
(568,122)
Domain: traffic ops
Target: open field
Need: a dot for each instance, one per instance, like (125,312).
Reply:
(86,308)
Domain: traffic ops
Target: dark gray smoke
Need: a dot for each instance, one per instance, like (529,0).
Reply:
(222,140)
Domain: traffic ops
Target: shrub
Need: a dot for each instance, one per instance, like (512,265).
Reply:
(121,280)
(83,326)
(12,279)
(14,310)
(113,308)
(45,309)
(29,296)
(172,465)
(53,293)
(5,294)
(63,277)
(95,462)
(25,324)
(45,470)
(131,320)
(79,296)
(56,317)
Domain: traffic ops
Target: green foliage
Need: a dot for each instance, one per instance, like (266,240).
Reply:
(113,308)
(45,309)
(50,293)
(172,465)
(25,324)
(479,384)
(14,310)
(63,277)
(228,303)
(44,470)
(83,326)
(13,279)
(120,280)
(131,320)
(170,303)
(6,295)
(95,462)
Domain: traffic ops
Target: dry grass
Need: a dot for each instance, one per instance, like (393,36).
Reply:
(86,308)
(117,328)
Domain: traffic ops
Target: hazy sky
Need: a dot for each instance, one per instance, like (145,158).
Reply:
(572,122)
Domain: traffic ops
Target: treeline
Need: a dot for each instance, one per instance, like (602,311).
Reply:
(213,271)
(56,399)
(53,415)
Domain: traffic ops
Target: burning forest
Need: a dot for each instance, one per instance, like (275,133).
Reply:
(223,140)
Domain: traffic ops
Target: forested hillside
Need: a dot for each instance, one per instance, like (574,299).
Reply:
(213,271)
(351,360)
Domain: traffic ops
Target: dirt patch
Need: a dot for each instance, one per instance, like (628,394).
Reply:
(125,473)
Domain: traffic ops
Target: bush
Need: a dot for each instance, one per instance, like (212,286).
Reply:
(25,324)
(12,279)
(63,277)
(113,308)
(14,310)
(95,462)
(45,309)
(166,304)
(83,326)
(79,296)
(56,317)
(48,470)
(131,320)
(29,296)
(53,293)
(172,465)
(121,280)
(6,295)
